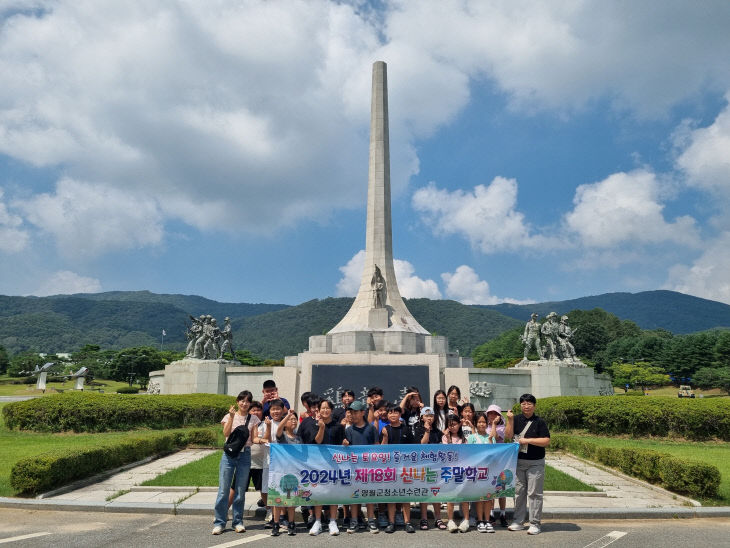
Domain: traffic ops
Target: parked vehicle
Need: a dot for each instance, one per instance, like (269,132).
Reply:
(685,391)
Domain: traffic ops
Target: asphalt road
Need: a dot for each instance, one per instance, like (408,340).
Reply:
(73,529)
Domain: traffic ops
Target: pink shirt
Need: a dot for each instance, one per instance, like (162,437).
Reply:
(447,438)
(240,420)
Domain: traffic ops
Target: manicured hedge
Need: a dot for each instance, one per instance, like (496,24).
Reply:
(682,476)
(54,469)
(92,412)
(696,419)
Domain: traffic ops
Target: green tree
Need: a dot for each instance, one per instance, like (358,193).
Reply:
(289,483)
(134,364)
(638,374)
(722,349)
(4,360)
(25,362)
(500,350)
(98,361)
(710,377)
(247,358)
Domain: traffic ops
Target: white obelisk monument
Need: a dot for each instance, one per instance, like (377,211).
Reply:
(378,331)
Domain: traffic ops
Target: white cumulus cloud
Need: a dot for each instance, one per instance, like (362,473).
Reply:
(708,276)
(12,237)
(486,217)
(626,208)
(465,286)
(65,282)
(87,219)
(409,285)
(705,157)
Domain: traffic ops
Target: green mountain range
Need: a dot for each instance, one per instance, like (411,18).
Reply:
(675,312)
(121,319)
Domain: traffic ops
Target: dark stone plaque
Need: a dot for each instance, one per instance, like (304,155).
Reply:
(329,380)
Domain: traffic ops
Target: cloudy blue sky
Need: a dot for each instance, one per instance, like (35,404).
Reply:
(540,151)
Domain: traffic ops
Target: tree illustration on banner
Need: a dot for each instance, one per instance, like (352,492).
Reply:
(289,483)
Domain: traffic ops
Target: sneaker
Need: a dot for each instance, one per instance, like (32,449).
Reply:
(410,528)
(503,520)
(399,519)
(240,528)
(489,528)
(451,526)
(464,526)
(352,527)
(373,526)
(334,530)
(382,520)
(275,530)
(217,530)
(390,528)
(482,527)
(516,527)
(316,528)
(346,523)
(472,522)
(291,529)
(533,530)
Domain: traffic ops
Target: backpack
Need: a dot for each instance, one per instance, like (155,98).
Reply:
(237,440)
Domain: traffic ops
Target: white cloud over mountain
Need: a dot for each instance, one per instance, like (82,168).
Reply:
(65,282)
(465,286)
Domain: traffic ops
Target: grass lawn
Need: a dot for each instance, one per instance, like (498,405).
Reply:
(204,473)
(7,389)
(18,445)
(715,453)
(671,392)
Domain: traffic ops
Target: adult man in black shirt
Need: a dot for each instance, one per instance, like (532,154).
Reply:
(532,433)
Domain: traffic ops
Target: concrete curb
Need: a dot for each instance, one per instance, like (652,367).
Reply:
(250,512)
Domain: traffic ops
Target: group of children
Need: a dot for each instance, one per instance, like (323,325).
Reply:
(449,420)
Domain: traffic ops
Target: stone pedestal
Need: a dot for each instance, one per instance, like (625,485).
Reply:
(378,318)
(189,376)
(41,383)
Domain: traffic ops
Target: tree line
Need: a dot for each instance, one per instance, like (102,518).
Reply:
(132,365)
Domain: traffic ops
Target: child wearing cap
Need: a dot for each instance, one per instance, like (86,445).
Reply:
(360,432)
(427,433)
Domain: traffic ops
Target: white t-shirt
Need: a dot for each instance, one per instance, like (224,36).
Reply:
(262,431)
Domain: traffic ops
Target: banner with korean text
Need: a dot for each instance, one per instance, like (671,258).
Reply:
(314,475)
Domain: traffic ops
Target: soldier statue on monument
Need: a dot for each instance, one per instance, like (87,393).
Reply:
(549,330)
(531,336)
(564,335)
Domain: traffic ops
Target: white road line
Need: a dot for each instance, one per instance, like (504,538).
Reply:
(244,540)
(613,536)
(22,537)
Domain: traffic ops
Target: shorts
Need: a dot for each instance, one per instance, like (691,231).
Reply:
(256,475)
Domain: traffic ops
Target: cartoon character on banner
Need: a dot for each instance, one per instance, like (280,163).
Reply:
(503,481)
